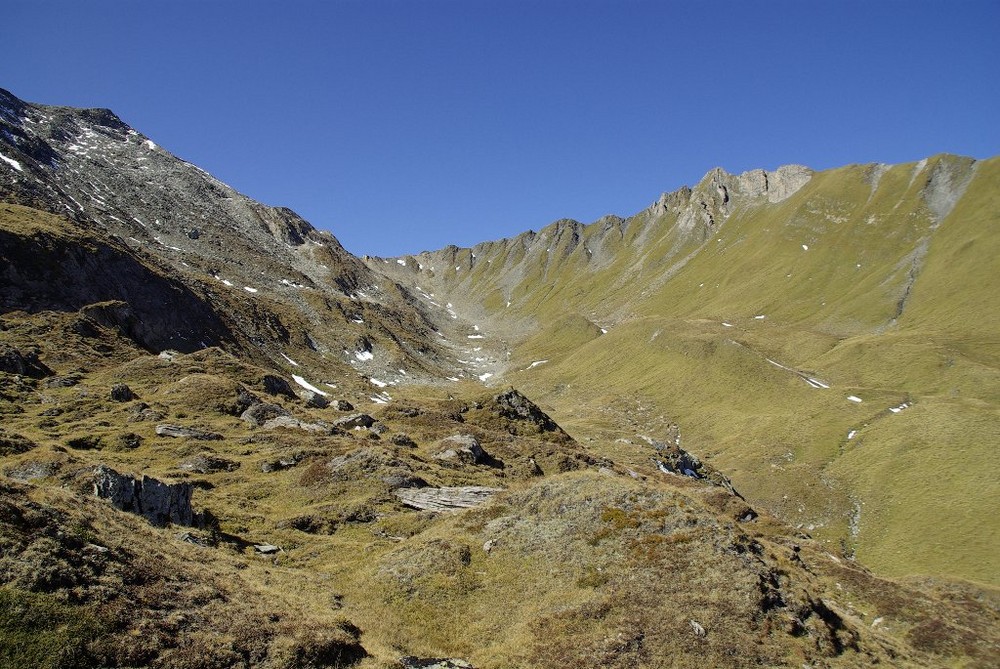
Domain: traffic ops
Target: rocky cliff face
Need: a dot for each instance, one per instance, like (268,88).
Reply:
(197,262)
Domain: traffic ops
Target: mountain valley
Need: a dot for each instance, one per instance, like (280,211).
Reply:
(751,425)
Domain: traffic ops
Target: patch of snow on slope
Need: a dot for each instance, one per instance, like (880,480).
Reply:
(308,386)
(294,364)
(850,435)
(475,336)
(483,377)
(854,398)
(902,406)
(400,261)
(364,355)
(10,161)
(150,144)
(376,382)
(247,288)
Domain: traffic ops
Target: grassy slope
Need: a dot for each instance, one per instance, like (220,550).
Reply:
(831,312)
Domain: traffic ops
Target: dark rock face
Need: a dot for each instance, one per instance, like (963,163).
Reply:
(275,385)
(672,459)
(158,502)
(315,400)
(515,406)
(361,420)
(14,361)
(67,271)
(122,393)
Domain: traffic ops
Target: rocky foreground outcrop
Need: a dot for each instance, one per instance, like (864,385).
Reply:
(158,502)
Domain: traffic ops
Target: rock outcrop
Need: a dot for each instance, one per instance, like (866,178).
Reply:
(445,499)
(158,502)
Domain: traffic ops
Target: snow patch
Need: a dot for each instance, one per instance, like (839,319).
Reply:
(294,364)
(536,363)
(854,398)
(150,144)
(850,435)
(364,355)
(400,261)
(247,288)
(759,317)
(376,382)
(476,336)
(308,386)
(10,161)
(483,377)
(805,247)
(726,325)
(904,405)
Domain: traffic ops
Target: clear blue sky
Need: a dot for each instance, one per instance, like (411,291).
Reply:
(409,125)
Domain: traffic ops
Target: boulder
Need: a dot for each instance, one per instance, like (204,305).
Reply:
(355,420)
(122,393)
(463,448)
(275,385)
(343,405)
(62,381)
(445,499)
(295,423)
(181,432)
(315,400)
(672,459)
(258,414)
(158,502)
(27,364)
(512,405)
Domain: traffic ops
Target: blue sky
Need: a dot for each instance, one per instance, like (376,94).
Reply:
(408,125)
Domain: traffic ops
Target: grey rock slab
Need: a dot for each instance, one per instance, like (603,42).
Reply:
(181,432)
(446,499)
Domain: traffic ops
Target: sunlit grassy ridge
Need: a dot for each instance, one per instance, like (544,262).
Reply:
(879,282)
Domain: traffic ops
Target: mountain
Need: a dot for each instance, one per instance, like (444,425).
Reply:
(227,442)
(827,339)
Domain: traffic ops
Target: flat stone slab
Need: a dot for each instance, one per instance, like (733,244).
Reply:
(445,499)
